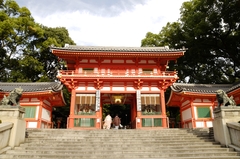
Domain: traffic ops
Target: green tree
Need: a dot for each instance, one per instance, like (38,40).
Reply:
(40,50)
(210,31)
(25,54)
(24,51)
(17,30)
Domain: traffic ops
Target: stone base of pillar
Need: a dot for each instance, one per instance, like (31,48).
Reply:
(15,115)
(222,116)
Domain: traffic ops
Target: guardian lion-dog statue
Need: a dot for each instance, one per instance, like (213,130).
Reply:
(223,99)
(13,98)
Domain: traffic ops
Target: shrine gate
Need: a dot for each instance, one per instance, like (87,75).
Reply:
(136,76)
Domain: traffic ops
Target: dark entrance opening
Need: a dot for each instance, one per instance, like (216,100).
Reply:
(173,114)
(123,111)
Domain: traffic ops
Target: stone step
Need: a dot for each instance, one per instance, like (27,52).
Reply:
(110,134)
(125,150)
(57,131)
(120,144)
(123,155)
(118,141)
(72,147)
(72,144)
(110,157)
(107,134)
(117,137)
(204,157)
(159,138)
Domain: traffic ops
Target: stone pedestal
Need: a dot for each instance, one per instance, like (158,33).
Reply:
(15,115)
(222,116)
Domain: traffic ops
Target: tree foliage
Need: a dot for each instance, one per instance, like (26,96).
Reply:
(24,51)
(210,30)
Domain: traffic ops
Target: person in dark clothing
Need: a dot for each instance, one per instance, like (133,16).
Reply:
(116,122)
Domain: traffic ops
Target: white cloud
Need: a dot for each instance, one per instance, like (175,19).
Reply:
(127,28)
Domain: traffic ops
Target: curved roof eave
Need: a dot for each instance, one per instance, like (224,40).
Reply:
(31,86)
(116,49)
(199,88)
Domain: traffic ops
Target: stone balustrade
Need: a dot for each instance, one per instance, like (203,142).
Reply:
(5,134)
(234,132)
(13,126)
(226,127)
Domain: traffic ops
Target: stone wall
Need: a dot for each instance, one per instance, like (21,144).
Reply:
(5,134)
(234,132)
(14,115)
(226,126)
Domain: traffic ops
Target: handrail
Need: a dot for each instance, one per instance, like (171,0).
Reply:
(116,73)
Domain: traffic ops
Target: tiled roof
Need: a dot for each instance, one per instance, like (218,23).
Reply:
(31,87)
(200,88)
(235,86)
(117,49)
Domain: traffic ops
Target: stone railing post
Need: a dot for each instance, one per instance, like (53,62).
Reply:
(222,116)
(15,115)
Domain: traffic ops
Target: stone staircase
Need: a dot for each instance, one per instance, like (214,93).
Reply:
(119,144)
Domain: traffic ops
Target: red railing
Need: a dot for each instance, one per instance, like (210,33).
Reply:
(116,73)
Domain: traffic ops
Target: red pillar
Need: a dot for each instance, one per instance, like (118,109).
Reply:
(40,113)
(99,115)
(133,113)
(163,107)
(138,120)
(193,115)
(72,107)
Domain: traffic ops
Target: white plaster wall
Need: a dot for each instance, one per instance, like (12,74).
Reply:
(24,100)
(118,88)
(118,61)
(37,112)
(46,115)
(190,125)
(206,100)
(130,89)
(187,125)
(91,88)
(185,103)
(197,100)
(199,124)
(34,100)
(186,114)
(80,70)
(47,102)
(42,125)
(195,112)
(81,88)
(83,61)
(105,89)
(32,125)
(143,61)
(209,124)
(106,61)
(151,61)
(130,61)
(93,61)
(102,71)
(154,89)
(145,89)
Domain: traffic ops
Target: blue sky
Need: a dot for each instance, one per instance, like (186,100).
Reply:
(105,22)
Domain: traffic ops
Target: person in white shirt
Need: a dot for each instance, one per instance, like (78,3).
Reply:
(107,122)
